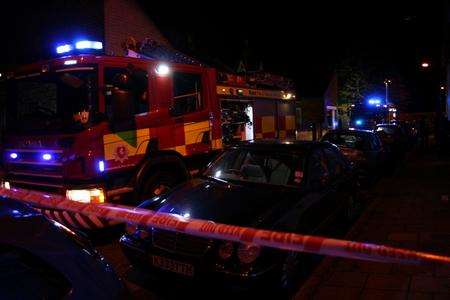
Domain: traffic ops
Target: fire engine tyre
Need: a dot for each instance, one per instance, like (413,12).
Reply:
(157,183)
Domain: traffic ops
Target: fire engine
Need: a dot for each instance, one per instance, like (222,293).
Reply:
(122,129)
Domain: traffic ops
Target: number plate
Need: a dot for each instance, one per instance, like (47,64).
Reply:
(172,265)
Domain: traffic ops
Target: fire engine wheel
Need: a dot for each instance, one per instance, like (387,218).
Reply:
(158,183)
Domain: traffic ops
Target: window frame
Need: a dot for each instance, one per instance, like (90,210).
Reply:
(201,98)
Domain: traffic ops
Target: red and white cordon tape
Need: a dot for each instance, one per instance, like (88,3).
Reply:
(209,229)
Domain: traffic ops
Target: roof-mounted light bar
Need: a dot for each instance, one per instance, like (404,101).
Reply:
(89,45)
(79,45)
(64,49)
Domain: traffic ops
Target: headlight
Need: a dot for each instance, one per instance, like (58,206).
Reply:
(226,250)
(247,253)
(86,196)
(5,185)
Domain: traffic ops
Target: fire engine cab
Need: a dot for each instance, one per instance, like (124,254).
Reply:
(122,129)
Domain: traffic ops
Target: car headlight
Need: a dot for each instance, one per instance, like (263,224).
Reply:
(86,196)
(248,253)
(5,185)
(226,250)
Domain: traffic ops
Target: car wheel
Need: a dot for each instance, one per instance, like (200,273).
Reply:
(158,183)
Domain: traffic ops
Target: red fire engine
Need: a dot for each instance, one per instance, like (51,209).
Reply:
(122,129)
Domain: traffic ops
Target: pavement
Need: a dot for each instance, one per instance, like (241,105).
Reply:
(410,209)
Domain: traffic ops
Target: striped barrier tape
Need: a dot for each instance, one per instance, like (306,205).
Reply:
(209,229)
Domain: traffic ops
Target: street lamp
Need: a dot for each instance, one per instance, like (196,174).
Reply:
(425,65)
(387,82)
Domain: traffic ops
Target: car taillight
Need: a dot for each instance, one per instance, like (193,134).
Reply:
(248,253)
(226,250)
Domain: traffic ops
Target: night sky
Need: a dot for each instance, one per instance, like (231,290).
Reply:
(305,40)
(302,40)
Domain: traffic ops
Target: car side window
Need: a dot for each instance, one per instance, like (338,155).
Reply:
(318,169)
(336,162)
(187,96)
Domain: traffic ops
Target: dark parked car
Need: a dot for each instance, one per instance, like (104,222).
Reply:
(290,186)
(364,148)
(394,137)
(42,259)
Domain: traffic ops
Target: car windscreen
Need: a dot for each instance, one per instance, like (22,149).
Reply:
(390,130)
(258,166)
(44,102)
(349,140)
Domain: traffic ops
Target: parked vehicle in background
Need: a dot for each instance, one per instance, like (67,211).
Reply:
(289,186)
(362,147)
(394,137)
(42,259)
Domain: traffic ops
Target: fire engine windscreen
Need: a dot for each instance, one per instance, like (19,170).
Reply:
(54,101)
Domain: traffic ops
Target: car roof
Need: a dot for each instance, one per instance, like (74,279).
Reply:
(387,125)
(352,131)
(283,145)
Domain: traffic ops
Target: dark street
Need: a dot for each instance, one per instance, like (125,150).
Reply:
(245,151)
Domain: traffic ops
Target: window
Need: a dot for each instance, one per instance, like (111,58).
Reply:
(132,80)
(186,93)
(318,169)
(349,140)
(335,162)
(60,101)
(258,166)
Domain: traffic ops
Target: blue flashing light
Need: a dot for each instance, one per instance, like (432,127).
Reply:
(101,166)
(13,155)
(46,156)
(64,49)
(89,45)
(374,101)
(359,122)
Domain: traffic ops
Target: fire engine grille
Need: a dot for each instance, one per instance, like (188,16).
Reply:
(31,172)
(180,243)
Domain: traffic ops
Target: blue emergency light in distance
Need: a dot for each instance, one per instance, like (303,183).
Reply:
(374,101)
(359,122)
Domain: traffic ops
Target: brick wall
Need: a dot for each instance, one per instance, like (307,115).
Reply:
(125,18)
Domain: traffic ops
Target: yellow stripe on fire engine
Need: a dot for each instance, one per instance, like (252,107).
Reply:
(134,141)
(268,124)
(193,132)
